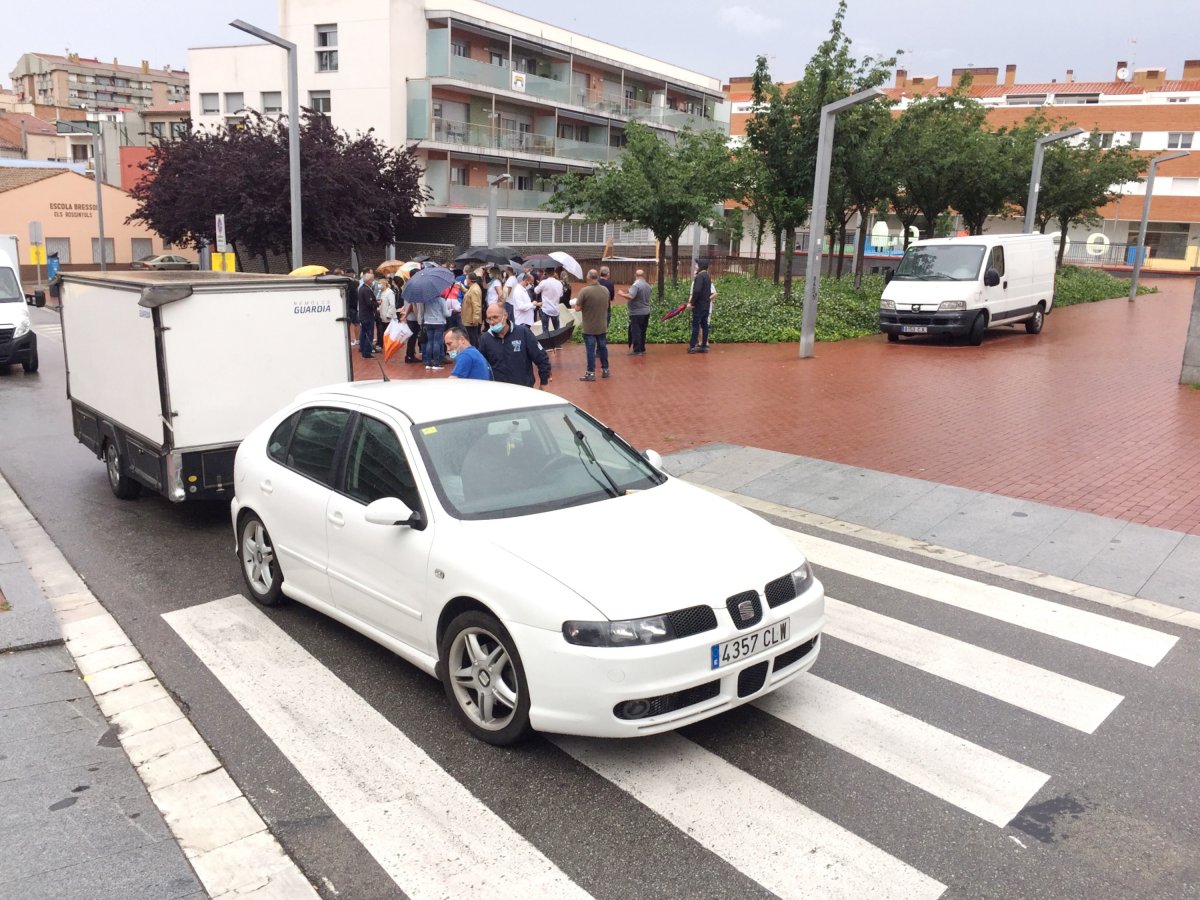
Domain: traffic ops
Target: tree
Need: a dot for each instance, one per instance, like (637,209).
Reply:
(865,166)
(353,189)
(661,186)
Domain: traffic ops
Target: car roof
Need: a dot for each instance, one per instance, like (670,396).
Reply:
(980,239)
(431,401)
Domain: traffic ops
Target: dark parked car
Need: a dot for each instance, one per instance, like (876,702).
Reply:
(164,261)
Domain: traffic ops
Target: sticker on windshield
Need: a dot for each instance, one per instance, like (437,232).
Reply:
(430,430)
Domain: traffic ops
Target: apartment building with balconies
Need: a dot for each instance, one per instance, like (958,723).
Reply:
(482,91)
(48,79)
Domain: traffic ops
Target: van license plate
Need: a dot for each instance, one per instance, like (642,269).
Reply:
(915,329)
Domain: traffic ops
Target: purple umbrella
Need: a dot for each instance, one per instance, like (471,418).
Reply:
(427,284)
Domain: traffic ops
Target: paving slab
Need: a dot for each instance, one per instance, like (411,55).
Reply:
(1000,528)
(1130,559)
(26,620)
(1073,544)
(1176,580)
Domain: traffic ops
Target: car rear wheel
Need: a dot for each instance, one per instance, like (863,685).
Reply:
(118,479)
(260,568)
(1035,322)
(484,679)
(978,327)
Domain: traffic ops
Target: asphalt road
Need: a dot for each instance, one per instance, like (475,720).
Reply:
(1117,815)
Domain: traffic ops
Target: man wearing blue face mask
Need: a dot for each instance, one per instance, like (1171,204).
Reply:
(468,362)
(512,351)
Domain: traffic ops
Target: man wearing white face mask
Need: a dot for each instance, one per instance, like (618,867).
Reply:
(512,351)
(468,362)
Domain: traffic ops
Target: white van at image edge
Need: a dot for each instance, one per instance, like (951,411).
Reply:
(962,286)
(18,342)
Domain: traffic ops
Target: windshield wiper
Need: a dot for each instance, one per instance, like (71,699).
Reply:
(582,445)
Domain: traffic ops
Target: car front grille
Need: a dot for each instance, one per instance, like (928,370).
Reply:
(793,656)
(780,591)
(741,603)
(667,703)
(693,620)
(6,334)
(752,678)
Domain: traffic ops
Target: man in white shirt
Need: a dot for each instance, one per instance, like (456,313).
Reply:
(550,291)
(524,310)
(510,282)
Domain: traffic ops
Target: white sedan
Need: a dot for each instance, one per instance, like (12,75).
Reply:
(501,539)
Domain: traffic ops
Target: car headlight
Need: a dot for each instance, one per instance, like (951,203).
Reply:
(624,633)
(887,304)
(23,327)
(802,578)
(952,305)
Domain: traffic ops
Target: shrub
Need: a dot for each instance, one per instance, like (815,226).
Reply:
(1080,285)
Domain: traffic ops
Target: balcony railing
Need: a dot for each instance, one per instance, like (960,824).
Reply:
(500,77)
(460,196)
(472,135)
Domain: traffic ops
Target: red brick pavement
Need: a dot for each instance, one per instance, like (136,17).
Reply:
(1088,415)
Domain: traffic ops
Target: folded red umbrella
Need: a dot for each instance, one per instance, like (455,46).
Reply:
(674,312)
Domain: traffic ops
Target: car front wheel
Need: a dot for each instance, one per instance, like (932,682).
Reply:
(484,679)
(260,568)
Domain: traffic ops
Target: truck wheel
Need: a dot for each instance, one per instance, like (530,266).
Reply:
(978,327)
(260,567)
(1034,323)
(893,338)
(484,679)
(118,479)
(31,365)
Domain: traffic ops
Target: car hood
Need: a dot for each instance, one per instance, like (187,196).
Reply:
(649,552)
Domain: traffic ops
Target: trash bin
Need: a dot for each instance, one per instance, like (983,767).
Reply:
(1131,254)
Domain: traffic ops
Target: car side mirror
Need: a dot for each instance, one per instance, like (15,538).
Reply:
(653,457)
(39,298)
(991,278)
(394,511)
(889,275)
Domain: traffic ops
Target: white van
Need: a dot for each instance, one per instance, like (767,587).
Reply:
(965,285)
(18,342)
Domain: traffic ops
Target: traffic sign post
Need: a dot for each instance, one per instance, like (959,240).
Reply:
(37,250)
(220,248)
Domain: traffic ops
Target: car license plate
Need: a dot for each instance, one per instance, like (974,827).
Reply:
(915,329)
(749,644)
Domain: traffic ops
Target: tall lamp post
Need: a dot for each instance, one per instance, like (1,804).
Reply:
(1141,242)
(493,197)
(1035,176)
(812,275)
(293,132)
(98,167)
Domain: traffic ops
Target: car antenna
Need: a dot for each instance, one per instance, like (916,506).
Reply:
(382,373)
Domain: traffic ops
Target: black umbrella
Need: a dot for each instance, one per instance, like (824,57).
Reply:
(498,256)
(541,261)
(421,258)
(426,285)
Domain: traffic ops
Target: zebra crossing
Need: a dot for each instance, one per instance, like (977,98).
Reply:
(434,838)
(49,330)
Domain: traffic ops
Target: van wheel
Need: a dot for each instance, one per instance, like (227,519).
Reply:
(1035,322)
(31,365)
(978,327)
(118,479)
(893,338)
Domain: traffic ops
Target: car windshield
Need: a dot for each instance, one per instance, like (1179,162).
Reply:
(10,288)
(518,462)
(944,262)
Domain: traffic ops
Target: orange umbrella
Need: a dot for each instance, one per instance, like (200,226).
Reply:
(387,267)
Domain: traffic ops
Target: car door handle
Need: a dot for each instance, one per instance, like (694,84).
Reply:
(1006,284)
(336,518)
(266,487)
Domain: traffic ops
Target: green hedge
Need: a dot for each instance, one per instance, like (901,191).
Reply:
(752,310)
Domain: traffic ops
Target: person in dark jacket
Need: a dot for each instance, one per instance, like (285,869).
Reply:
(367,304)
(700,304)
(512,351)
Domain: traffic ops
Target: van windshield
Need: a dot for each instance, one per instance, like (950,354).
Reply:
(944,262)
(10,289)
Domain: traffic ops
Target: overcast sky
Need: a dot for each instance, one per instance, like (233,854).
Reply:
(1043,38)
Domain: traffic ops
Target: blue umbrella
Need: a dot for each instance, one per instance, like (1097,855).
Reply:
(427,284)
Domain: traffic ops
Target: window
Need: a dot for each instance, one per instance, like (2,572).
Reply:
(327,60)
(377,468)
(314,443)
(326,36)
(281,437)
(1166,240)
(179,129)
(460,48)
(209,104)
(1106,139)
(139,247)
(997,260)
(1177,99)
(110,255)
(524,183)
(1186,187)
(61,246)
(571,132)
(327,41)
(459,175)
(1179,140)
(1135,139)
(158,130)
(272,102)
(319,102)
(1025,99)
(235,102)
(498,59)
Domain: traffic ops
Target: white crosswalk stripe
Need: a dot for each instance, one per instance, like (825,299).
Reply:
(784,846)
(971,777)
(53,332)
(426,830)
(1056,697)
(1122,639)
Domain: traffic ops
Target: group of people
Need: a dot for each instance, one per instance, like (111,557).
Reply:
(484,322)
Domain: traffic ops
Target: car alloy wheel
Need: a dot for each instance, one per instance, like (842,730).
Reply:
(260,569)
(484,678)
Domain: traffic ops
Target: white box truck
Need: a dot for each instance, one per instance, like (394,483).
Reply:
(18,342)
(168,371)
(964,285)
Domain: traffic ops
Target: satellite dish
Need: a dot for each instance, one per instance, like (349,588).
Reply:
(1122,74)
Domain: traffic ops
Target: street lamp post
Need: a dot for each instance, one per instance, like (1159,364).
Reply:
(293,132)
(812,274)
(1035,176)
(1141,241)
(97,137)
(493,197)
